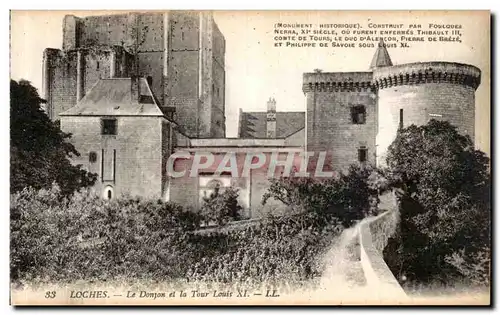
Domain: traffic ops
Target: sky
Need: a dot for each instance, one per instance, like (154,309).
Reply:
(256,70)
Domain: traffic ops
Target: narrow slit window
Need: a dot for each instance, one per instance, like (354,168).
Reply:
(401,122)
(362,154)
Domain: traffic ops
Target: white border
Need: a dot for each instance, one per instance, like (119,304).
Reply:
(213,5)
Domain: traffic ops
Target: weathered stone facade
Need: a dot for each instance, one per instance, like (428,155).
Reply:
(180,53)
(355,116)
(117,96)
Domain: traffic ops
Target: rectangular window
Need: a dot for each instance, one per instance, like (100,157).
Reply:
(362,154)
(358,115)
(108,127)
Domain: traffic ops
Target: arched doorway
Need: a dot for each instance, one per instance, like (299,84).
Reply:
(108,193)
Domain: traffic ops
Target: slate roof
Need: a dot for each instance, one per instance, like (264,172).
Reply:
(253,124)
(381,57)
(113,97)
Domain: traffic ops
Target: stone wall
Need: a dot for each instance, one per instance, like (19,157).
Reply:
(373,235)
(136,167)
(218,118)
(415,93)
(60,76)
(182,52)
(72,73)
(330,99)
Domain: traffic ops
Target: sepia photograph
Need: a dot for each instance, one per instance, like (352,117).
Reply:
(184,157)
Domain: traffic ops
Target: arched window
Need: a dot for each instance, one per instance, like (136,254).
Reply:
(108,193)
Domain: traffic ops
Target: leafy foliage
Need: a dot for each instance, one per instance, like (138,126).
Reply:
(349,197)
(39,150)
(55,239)
(221,207)
(444,187)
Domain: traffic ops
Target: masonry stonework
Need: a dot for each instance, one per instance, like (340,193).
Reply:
(161,77)
(129,162)
(392,96)
(180,52)
(415,93)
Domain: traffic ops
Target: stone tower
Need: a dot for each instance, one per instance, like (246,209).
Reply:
(354,116)
(181,54)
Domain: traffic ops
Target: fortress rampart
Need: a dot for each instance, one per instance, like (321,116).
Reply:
(417,92)
(356,115)
(427,72)
(337,81)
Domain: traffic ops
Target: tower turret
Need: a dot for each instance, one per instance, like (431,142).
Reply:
(381,57)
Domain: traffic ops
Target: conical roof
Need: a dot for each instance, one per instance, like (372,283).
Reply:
(381,57)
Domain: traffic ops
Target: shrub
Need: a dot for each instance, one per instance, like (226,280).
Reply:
(221,207)
(444,185)
(58,239)
(349,197)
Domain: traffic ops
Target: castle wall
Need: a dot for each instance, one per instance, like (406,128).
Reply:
(187,190)
(183,64)
(71,32)
(60,81)
(297,139)
(218,88)
(71,74)
(416,93)
(206,81)
(181,51)
(136,167)
(95,66)
(151,65)
(330,98)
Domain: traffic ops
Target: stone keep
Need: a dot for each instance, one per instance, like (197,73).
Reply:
(354,116)
(180,53)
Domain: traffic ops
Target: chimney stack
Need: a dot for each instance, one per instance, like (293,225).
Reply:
(271,118)
(135,88)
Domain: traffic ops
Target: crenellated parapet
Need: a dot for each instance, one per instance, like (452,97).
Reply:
(427,72)
(337,82)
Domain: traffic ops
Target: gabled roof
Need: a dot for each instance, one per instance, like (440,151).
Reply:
(381,57)
(253,124)
(113,97)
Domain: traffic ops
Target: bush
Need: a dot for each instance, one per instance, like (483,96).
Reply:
(443,185)
(59,239)
(349,197)
(85,237)
(221,207)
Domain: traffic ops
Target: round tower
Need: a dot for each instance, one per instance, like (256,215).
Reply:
(417,92)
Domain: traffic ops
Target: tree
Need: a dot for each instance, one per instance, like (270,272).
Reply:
(349,197)
(39,150)
(221,207)
(444,192)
